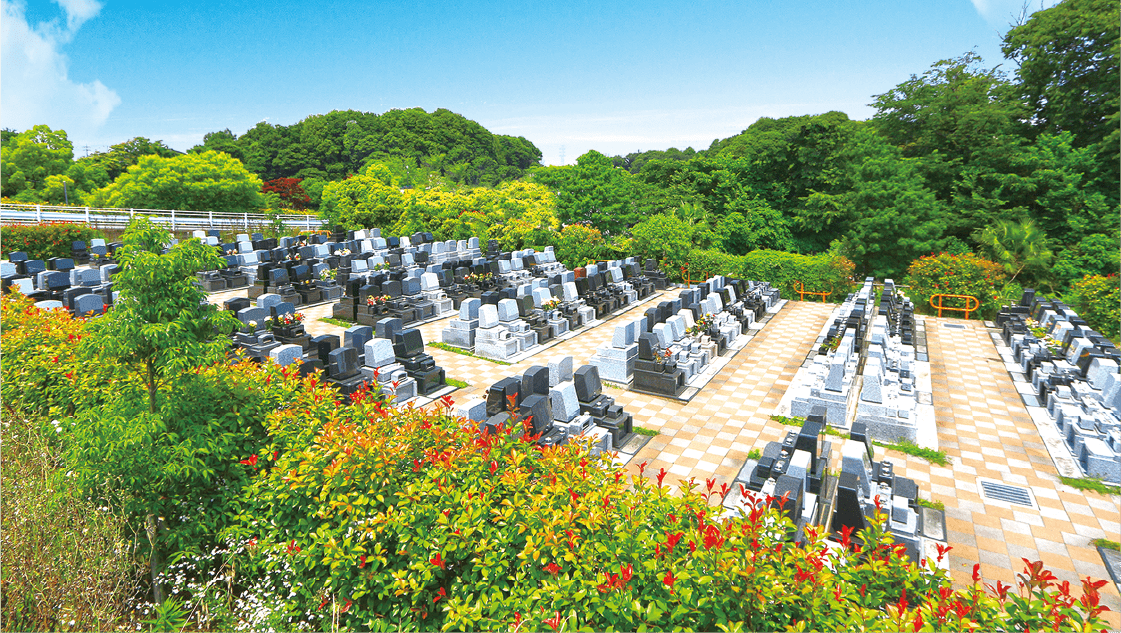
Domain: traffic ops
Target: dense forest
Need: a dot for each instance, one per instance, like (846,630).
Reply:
(1021,165)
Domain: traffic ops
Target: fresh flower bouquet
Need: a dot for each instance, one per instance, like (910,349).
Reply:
(377,301)
(290,318)
(701,325)
(1040,333)
(329,273)
(551,305)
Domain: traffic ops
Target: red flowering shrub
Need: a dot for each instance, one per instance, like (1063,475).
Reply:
(375,518)
(43,241)
(955,275)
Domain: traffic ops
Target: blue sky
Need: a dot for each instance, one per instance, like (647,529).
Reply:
(611,76)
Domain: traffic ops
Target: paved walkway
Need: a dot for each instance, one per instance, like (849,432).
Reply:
(983,427)
(985,430)
(714,432)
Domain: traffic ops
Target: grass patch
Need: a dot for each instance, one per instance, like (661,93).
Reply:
(456,350)
(456,383)
(1107,544)
(910,448)
(754,454)
(937,505)
(1090,483)
(798,421)
(338,322)
(646,432)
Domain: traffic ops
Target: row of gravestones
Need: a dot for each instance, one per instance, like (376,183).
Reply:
(796,473)
(889,397)
(557,405)
(390,358)
(828,380)
(660,351)
(58,283)
(1077,377)
(514,326)
(424,293)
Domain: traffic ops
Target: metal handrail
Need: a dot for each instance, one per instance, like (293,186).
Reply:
(966,309)
(685,277)
(803,292)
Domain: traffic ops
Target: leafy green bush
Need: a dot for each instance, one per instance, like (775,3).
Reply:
(43,241)
(1095,254)
(575,244)
(377,519)
(966,274)
(1098,300)
(819,273)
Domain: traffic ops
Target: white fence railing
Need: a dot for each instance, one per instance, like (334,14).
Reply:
(175,219)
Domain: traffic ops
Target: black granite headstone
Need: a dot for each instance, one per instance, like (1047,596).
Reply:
(535,380)
(587,383)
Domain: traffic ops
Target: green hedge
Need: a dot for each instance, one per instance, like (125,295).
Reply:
(819,273)
(1097,300)
(43,241)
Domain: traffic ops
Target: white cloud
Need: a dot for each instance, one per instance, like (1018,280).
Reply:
(34,84)
(78,11)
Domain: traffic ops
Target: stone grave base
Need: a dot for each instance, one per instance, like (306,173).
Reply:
(699,380)
(537,349)
(1052,437)
(630,448)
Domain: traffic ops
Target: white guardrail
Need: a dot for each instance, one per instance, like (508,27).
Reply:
(175,219)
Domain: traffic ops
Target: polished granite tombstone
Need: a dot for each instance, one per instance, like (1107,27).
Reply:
(602,408)
(408,347)
(653,372)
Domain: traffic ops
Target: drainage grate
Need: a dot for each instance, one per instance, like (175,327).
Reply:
(996,491)
(954,326)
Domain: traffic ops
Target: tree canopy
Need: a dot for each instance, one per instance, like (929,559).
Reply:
(210,181)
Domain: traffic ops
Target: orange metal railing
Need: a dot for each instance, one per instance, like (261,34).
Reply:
(971,304)
(689,282)
(802,292)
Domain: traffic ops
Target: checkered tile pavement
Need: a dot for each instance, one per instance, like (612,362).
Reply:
(982,426)
(986,431)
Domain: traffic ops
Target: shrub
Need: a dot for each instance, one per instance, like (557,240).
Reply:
(373,519)
(1098,300)
(818,272)
(956,275)
(43,241)
(575,244)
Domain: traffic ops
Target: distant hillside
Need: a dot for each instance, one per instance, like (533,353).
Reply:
(334,145)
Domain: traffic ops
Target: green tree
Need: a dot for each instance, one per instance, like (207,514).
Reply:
(753,224)
(161,325)
(1097,254)
(593,191)
(124,155)
(371,199)
(28,158)
(210,181)
(1069,70)
(963,124)
(892,218)
(663,237)
(1021,247)
(223,141)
